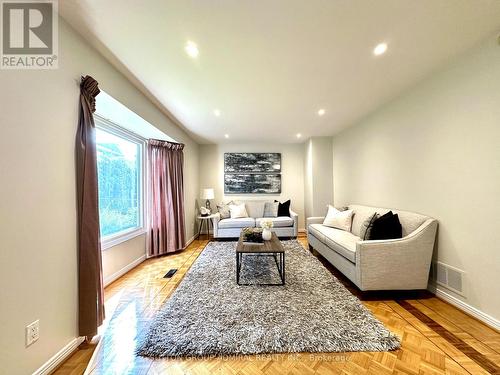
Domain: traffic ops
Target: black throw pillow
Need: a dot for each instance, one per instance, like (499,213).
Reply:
(386,227)
(284,208)
(384,217)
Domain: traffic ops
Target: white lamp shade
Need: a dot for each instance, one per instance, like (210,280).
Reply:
(208,194)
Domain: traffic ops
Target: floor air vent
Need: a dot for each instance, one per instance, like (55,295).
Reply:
(170,273)
(448,276)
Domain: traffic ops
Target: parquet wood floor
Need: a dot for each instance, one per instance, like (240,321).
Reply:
(436,337)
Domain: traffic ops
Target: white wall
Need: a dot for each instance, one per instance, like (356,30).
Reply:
(292,177)
(117,259)
(318,181)
(38,255)
(436,150)
(308,179)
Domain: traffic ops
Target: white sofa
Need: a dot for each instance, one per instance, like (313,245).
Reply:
(398,264)
(284,226)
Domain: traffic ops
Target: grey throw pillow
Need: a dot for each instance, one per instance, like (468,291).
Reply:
(366,227)
(224,211)
(271,209)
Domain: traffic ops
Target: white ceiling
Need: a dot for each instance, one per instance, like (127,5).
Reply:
(269,65)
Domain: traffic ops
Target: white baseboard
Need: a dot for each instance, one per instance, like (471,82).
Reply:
(478,314)
(190,240)
(59,357)
(108,280)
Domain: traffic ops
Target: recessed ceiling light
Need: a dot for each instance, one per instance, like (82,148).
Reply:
(298,135)
(380,49)
(226,135)
(321,112)
(191,49)
(217,112)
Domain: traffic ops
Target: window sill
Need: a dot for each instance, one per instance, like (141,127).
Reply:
(109,242)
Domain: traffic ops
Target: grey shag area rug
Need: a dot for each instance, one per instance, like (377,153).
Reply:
(209,314)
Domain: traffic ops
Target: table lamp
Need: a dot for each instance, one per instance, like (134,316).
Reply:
(208,194)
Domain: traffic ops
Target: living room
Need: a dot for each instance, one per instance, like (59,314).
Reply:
(179,155)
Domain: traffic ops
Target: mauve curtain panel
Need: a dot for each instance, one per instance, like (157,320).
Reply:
(90,286)
(166,222)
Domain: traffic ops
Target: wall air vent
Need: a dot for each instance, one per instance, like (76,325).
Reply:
(441,274)
(448,276)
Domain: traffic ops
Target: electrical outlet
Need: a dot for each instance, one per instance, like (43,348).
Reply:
(32,332)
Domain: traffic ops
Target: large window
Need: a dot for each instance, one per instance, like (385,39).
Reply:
(120,174)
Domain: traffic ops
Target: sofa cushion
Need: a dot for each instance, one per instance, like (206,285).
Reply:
(238,210)
(278,222)
(271,209)
(284,208)
(237,223)
(386,227)
(410,221)
(361,214)
(224,210)
(338,219)
(338,240)
(367,226)
(255,208)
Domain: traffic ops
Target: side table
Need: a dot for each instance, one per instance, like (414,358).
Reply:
(207,220)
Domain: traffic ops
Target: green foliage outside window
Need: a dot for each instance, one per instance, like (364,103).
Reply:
(118,162)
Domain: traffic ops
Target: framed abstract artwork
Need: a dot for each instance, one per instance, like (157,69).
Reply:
(255,183)
(252,162)
(252,173)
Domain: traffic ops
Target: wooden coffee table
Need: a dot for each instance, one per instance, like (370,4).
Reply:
(273,248)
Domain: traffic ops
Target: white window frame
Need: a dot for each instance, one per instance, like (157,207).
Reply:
(125,235)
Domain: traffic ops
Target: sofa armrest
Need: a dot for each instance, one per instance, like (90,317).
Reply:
(215,223)
(295,218)
(314,220)
(402,263)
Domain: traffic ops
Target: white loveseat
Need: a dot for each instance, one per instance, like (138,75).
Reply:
(398,264)
(284,226)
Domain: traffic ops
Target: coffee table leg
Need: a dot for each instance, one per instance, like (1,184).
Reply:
(283,268)
(238,267)
(275,256)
